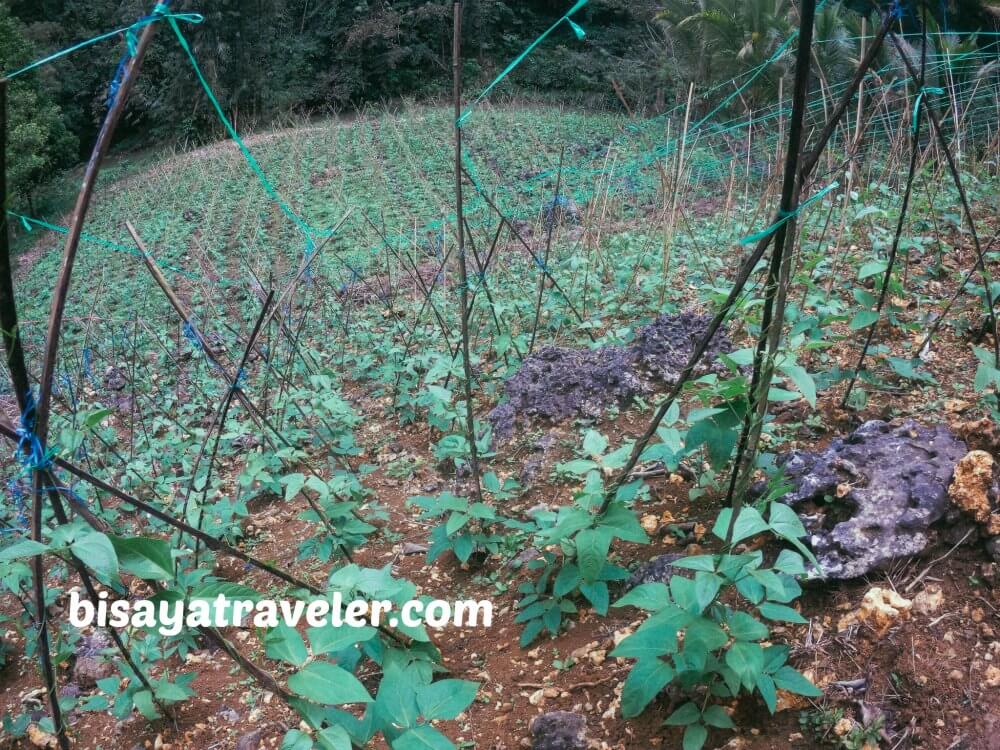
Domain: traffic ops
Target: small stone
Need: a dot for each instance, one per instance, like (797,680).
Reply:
(559,730)
(992,676)
(970,487)
(843,727)
(650,523)
(411,548)
(956,675)
(89,669)
(880,609)
(929,601)
(249,741)
(40,738)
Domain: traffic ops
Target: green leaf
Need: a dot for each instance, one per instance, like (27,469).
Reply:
(765,686)
(781,613)
(647,678)
(446,699)
(172,691)
(689,713)
(743,627)
(716,716)
(910,369)
(791,680)
(594,443)
(22,548)
(567,580)
(328,640)
(785,522)
(872,268)
(592,547)
(296,740)
(145,558)
(696,562)
(706,587)
(746,659)
(649,596)
(143,701)
(704,634)
(790,562)
(803,381)
(95,703)
(333,738)
(285,643)
(95,418)
(455,522)
(694,737)
(422,738)
(328,684)
(231,591)
(622,522)
(98,554)
(597,594)
(649,641)
(293,484)
(863,319)
(748,523)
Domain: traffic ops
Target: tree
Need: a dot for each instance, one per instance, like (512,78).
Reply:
(38,140)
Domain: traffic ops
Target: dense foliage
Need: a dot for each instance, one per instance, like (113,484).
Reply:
(39,138)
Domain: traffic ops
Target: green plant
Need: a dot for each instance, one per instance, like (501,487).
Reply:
(694,639)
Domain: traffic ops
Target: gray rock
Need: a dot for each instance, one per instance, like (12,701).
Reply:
(228,714)
(557,383)
(249,741)
(657,570)
(993,548)
(87,670)
(559,730)
(894,485)
(664,346)
(525,557)
(115,378)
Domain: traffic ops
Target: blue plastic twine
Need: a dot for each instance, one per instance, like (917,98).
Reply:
(160,11)
(191,335)
(239,381)
(30,452)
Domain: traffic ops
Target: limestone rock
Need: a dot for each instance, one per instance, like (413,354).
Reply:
(929,601)
(982,434)
(870,497)
(40,738)
(665,346)
(880,610)
(992,677)
(970,487)
(556,383)
(559,730)
(89,669)
(657,570)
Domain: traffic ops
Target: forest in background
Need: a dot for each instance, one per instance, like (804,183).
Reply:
(268,60)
